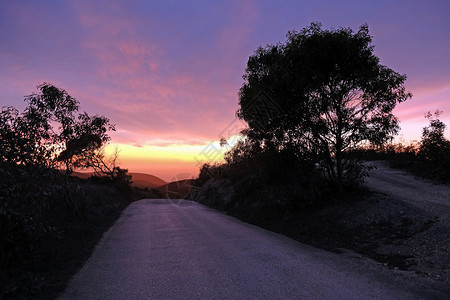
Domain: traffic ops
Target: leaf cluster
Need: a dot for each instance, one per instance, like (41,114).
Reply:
(51,131)
(329,91)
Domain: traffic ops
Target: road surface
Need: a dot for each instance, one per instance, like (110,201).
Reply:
(167,249)
(401,185)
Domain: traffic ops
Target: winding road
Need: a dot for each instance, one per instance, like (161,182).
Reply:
(178,249)
(397,183)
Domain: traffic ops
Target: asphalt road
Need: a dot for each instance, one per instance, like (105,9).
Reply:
(166,249)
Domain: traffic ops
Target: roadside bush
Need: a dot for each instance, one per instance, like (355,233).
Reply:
(118,178)
(23,199)
(44,224)
(266,185)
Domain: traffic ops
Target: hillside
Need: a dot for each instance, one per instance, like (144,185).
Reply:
(83,175)
(143,180)
(140,180)
(177,189)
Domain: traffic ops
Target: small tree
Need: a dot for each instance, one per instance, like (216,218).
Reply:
(50,131)
(84,145)
(325,92)
(77,138)
(434,147)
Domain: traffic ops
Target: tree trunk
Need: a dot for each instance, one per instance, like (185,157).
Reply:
(339,165)
(338,154)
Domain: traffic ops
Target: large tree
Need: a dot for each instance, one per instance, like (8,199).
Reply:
(319,94)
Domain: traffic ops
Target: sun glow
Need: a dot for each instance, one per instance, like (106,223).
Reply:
(167,162)
(131,153)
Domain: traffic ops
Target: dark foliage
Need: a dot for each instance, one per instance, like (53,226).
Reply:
(118,178)
(320,94)
(435,148)
(48,226)
(261,184)
(429,158)
(50,132)
(49,221)
(308,102)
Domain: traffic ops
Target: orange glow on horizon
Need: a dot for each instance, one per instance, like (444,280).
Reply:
(168,162)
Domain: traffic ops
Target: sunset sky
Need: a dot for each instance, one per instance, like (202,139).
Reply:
(167,72)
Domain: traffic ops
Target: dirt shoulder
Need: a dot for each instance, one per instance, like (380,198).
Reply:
(422,193)
(394,233)
(425,202)
(402,222)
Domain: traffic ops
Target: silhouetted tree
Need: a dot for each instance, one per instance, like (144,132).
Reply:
(31,138)
(107,167)
(84,145)
(25,138)
(319,94)
(434,147)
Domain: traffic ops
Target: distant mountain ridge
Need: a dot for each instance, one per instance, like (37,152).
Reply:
(143,180)
(170,190)
(140,180)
